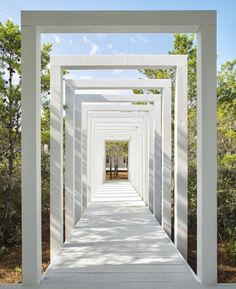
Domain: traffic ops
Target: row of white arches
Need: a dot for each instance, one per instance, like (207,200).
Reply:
(203,23)
(150,149)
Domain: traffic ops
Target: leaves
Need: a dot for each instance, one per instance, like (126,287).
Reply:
(10,128)
(226,82)
(116,149)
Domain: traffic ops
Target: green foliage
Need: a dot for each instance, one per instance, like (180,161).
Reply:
(184,45)
(116,149)
(45,174)
(10,117)
(10,130)
(231,251)
(227,214)
(226,82)
(192,168)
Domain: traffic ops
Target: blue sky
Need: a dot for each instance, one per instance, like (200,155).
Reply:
(127,43)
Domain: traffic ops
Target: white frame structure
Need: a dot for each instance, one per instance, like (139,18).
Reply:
(101,125)
(159,204)
(201,22)
(88,111)
(177,62)
(125,122)
(70,158)
(105,132)
(129,98)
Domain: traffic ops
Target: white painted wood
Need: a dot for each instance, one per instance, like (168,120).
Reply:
(115,122)
(31,157)
(116,131)
(145,164)
(151,177)
(180,142)
(127,84)
(98,158)
(107,107)
(69,161)
(118,137)
(115,127)
(121,135)
(84,154)
(108,84)
(85,98)
(117,61)
(158,161)
(166,85)
(166,161)
(105,97)
(56,161)
(181,161)
(79,99)
(92,84)
(76,62)
(206,157)
(104,136)
(118,21)
(145,159)
(78,160)
(180,135)
(115,107)
(122,131)
(121,21)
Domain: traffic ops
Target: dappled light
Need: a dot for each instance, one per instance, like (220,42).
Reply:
(117,239)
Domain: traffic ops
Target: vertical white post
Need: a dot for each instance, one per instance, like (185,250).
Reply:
(31,156)
(166,160)
(157,161)
(146,156)
(56,161)
(151,160)
(181,160)
(138,169)
(104,162)
(90,166)
(206,156)
(69,162)
(89,147)
(143,161)
(84,159)
(78,160)
(92,158)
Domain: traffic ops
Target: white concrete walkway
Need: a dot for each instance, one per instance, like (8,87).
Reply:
(118,244)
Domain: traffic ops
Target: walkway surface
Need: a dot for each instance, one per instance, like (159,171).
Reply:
(118,244)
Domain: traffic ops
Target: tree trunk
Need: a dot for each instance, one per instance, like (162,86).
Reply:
(110,160)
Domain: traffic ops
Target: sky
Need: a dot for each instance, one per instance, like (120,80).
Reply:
(71,44)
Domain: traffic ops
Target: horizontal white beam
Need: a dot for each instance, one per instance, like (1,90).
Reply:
(117,21)
(82,62)
(93,84)
(116,97)
(116,125)
(121,115)
(117,107)
(117,137)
